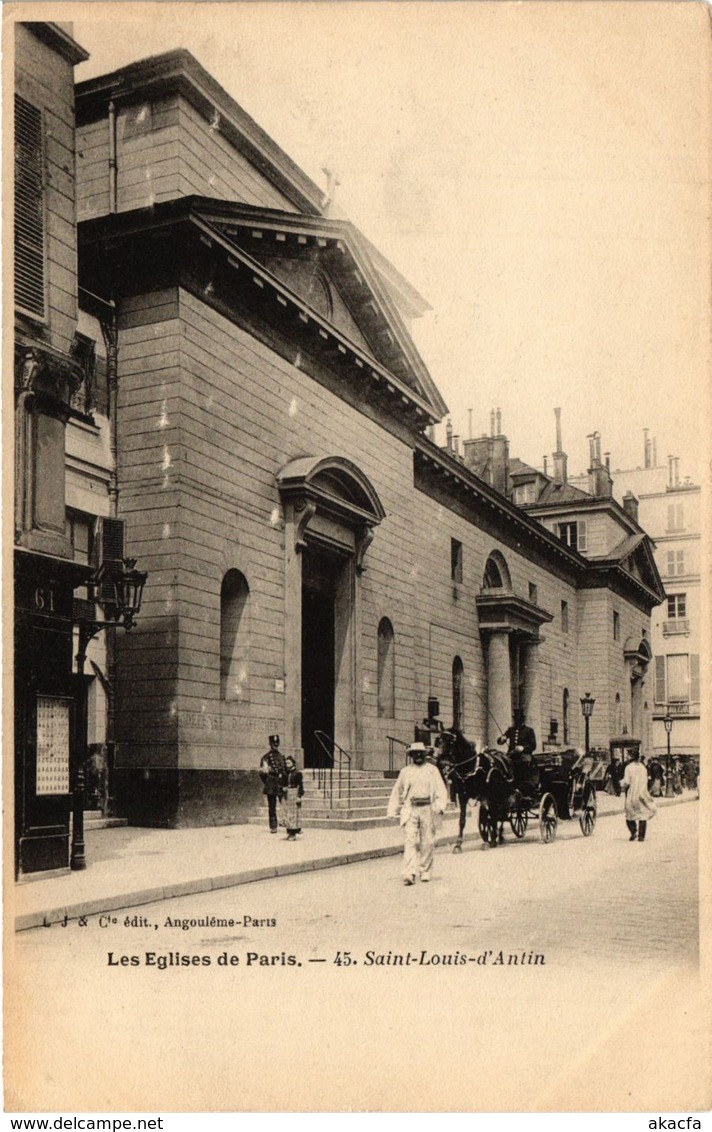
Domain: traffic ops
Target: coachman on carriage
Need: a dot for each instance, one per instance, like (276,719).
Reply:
(554,786)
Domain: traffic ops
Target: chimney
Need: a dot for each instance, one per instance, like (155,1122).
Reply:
(630,505)
(499,423)
(655,453)
(646,449)
(456,445)
(607,456)
(545,462)
(500,464)
(448,436)
(492,419)
(670,460)
(488,457)
(676,463)
(591,450)
(560,473)
(599,477)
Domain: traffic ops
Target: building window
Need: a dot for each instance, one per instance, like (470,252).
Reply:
(458,695)
(676,517)
(525,493)
(84,352)
(616,625)
(564,617)
(676,623)
(676,606)
(234,637)
(675,563)
(677,680)
(386,670)
(573,534)
(533,593)
(496,576)
(455,560)
(565,715)
(80,531)
(29,209)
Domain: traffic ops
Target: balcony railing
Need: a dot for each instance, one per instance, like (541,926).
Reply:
(677,626)
(682,707)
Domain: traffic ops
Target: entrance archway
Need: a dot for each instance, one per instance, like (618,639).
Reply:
(330,511)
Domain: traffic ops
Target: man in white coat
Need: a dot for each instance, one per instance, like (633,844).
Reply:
(419,794)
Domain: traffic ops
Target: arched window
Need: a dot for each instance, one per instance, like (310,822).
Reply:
(386,670)
(234,637)
(497,576)
(565,715)
(458,695)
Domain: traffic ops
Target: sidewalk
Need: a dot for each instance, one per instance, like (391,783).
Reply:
(132,866)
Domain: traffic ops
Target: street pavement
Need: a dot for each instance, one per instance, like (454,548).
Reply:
(131,866)
(316,966)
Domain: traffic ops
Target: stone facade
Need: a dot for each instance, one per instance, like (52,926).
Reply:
(301,532)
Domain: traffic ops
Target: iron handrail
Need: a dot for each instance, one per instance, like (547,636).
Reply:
(392,743)
(325,781)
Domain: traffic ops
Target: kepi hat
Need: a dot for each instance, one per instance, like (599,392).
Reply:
(274,739)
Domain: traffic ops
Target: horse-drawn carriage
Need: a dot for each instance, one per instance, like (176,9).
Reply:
(555,786)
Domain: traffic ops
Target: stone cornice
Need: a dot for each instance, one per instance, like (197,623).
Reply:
(479,497)
(180,72)
(61,42)
(178,236)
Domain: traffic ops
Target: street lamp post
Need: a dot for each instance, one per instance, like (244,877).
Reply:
(123,606)
(667,721)
(587,703)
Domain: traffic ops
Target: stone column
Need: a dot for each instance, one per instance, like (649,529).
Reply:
(499,686)
(292,631)
(531,704)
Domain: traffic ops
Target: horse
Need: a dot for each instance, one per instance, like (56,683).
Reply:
(484,777)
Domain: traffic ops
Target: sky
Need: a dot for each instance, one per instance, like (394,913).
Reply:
(539,171)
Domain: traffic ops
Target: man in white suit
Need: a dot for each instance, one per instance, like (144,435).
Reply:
(419,794)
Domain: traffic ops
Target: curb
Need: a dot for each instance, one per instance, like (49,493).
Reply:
(246,876)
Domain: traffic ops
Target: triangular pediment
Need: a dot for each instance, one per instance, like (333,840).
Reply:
(640,562)
(305,276)
(325,263)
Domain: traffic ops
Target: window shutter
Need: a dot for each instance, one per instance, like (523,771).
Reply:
(694,678)
(29,209)
(678,672)
(111,554)
(660,697)
(581,532)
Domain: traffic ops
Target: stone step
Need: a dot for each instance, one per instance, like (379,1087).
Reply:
(339,822)
(344,803)
(352,812)
(347,823)
(104,823)
(356,791)
(94,819)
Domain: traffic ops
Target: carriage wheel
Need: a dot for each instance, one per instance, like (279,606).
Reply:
(487,824)
(548,818)
(519,819)
(589,810)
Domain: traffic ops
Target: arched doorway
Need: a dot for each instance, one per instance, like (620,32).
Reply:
(330,510)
